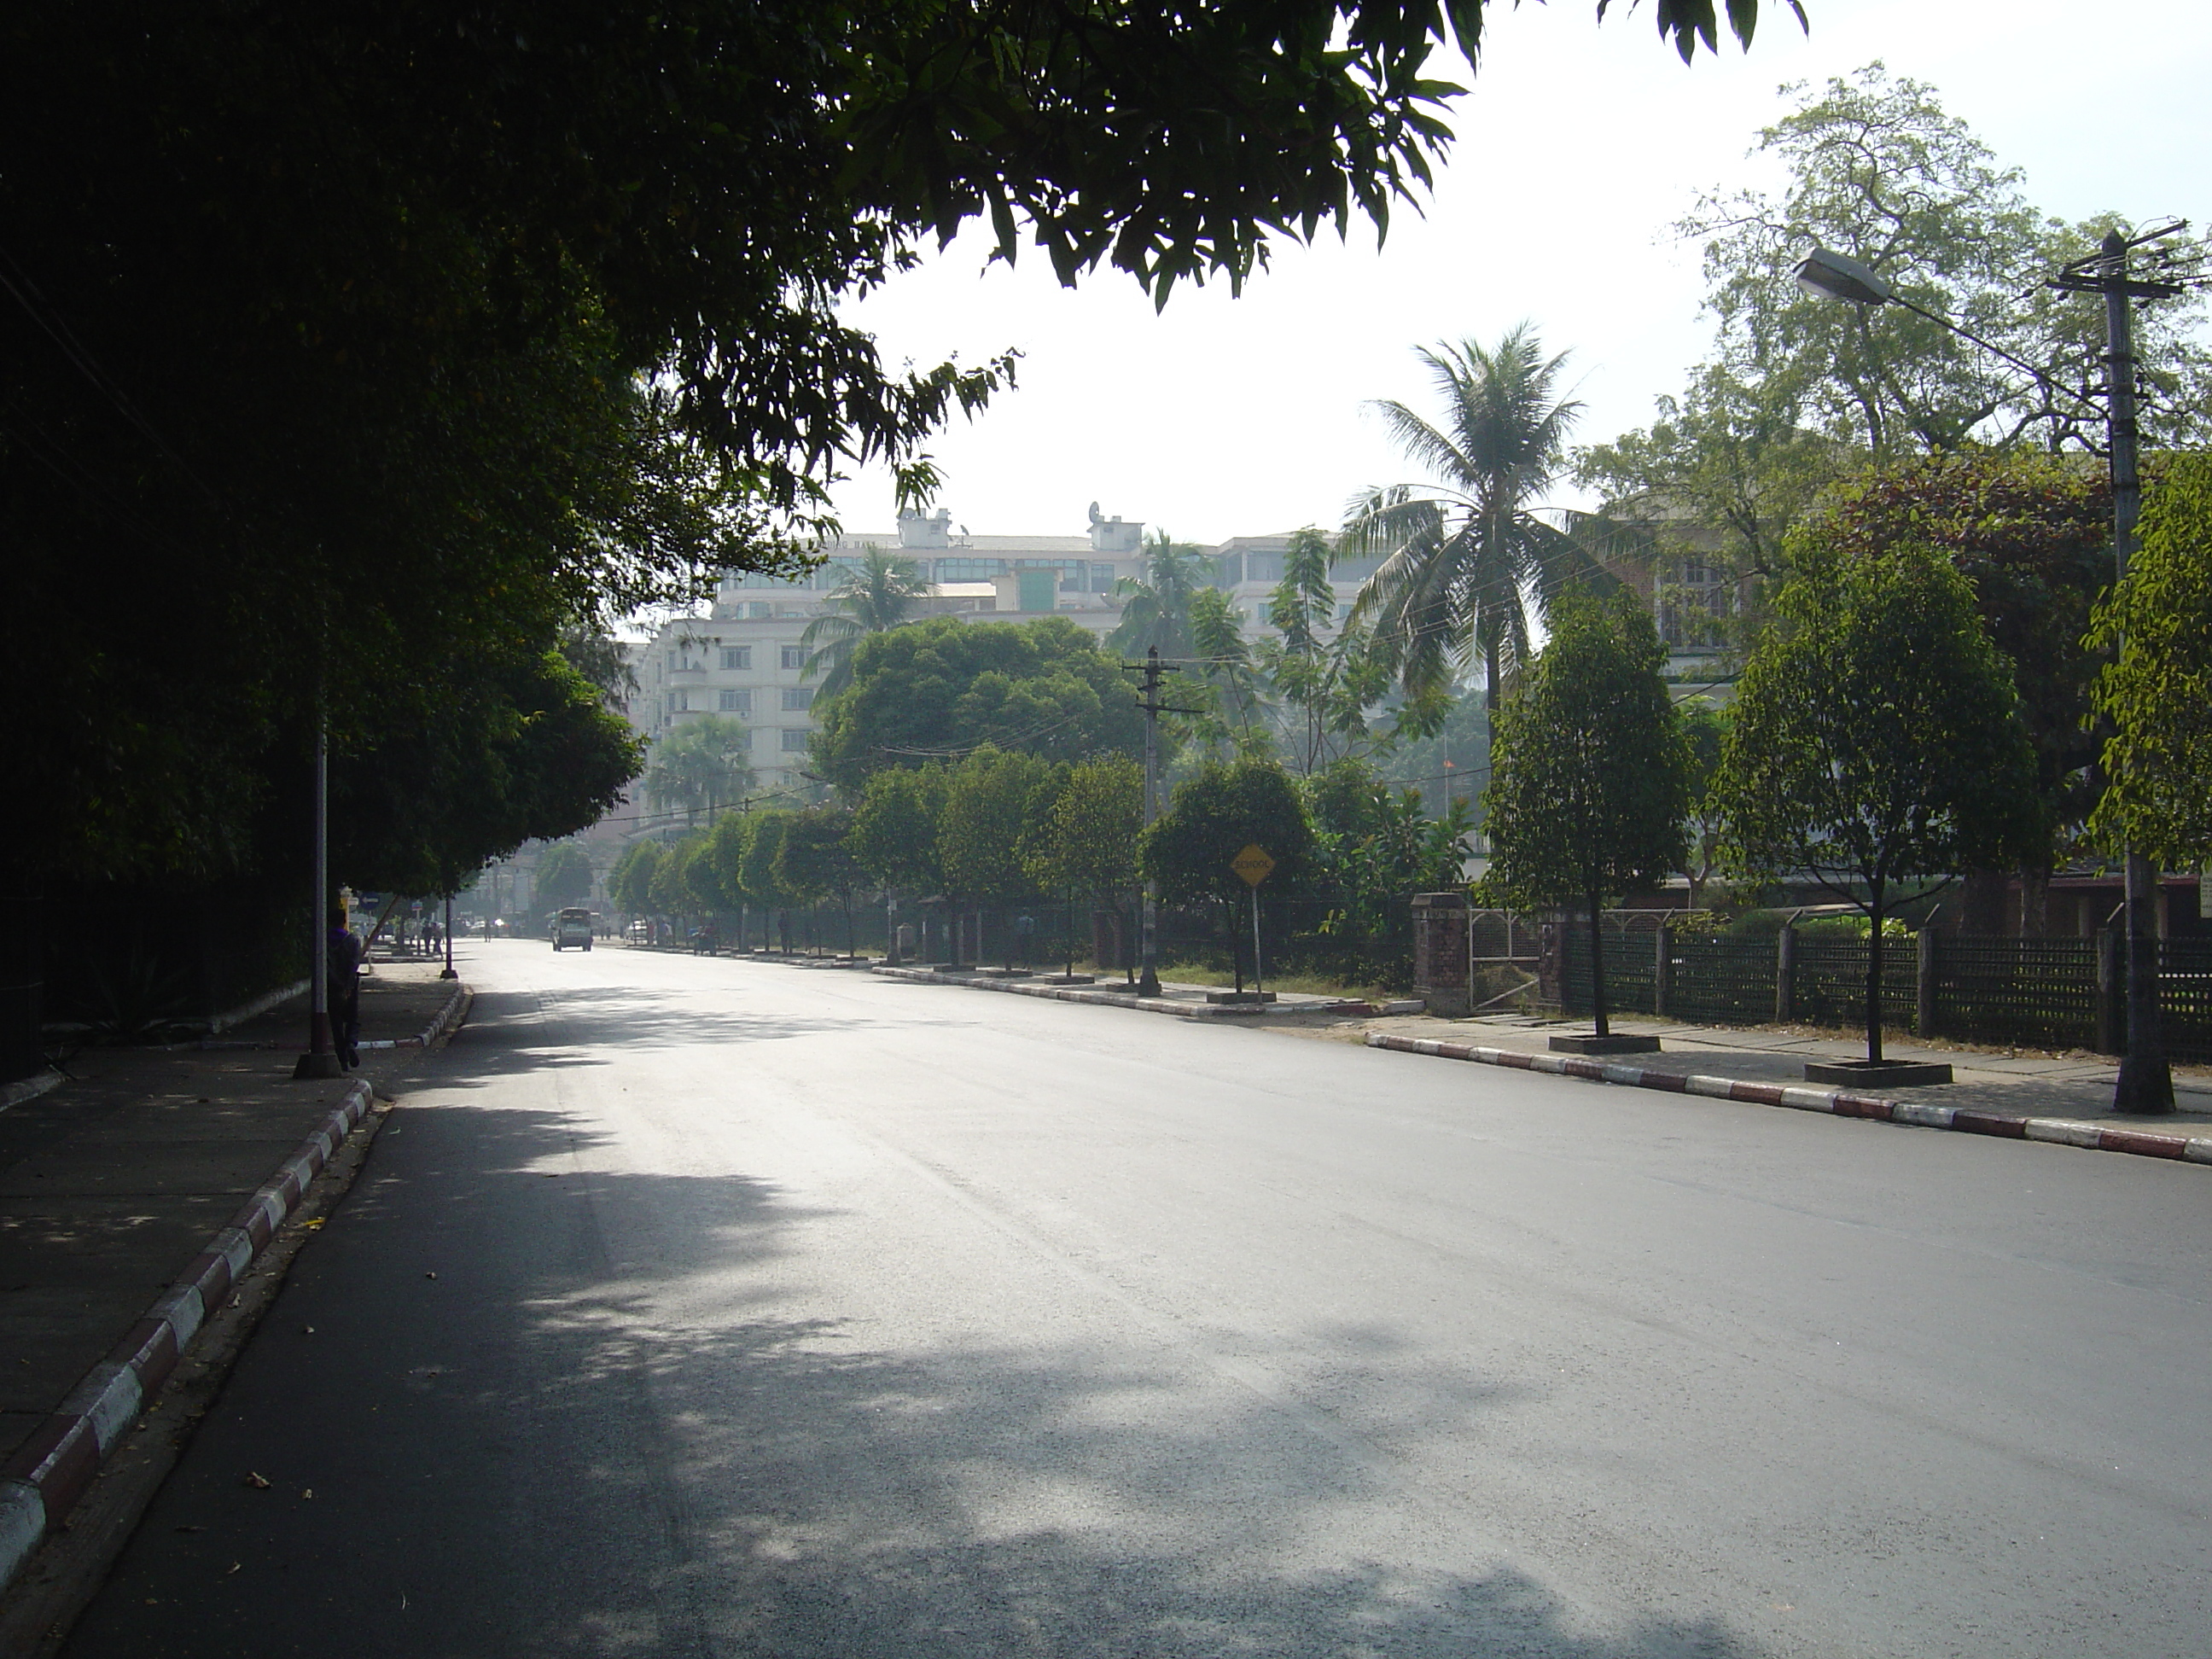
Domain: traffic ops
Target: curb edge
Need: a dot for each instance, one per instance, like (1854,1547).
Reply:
(2052,1131)
(42,1481)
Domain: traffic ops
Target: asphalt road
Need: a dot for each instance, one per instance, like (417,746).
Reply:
(697,1307)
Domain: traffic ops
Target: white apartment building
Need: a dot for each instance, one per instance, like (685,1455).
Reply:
(743,661)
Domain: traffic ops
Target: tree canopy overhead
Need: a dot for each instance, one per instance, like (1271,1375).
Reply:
(346,351)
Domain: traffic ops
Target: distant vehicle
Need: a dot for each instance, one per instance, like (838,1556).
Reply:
(572,927)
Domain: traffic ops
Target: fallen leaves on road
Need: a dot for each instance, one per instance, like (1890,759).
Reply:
(259,1482)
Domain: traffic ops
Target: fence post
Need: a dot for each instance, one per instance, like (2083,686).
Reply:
(1785,975)
(1662,966)
(2111,993)
(1923,1010)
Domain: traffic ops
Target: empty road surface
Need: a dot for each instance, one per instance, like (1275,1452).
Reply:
(701,1307)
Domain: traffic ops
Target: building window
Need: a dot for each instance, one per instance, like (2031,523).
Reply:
(794,740)
(737,702)
(794,656)
(678,701)
(969,570)
(797,698)
(737,656)
(758,611)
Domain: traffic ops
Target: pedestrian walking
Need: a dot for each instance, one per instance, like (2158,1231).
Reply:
(341,964)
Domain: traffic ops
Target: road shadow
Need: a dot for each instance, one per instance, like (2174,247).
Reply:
(507,1408)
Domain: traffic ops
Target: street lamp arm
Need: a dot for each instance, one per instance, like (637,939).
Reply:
(1835,277)
(1996,350)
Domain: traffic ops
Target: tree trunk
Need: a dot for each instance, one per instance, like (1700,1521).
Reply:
(1597,963)
(1873,972)
(2035,902)
(1236,948)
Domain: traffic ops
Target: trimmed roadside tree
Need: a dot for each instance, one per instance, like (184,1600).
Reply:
(564,876)
(726,846)
(814,863)
(1877,740)
(989,807)
(2157,692)
(1214,815)
(757,878)
(630,884)
(1087,842)
(894,835)
(1589,776)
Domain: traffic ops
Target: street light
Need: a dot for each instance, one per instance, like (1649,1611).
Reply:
(2145,1084)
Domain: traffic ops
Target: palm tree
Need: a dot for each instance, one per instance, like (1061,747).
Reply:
(875,595)
(1463,559)
(700,766)
(1156,606)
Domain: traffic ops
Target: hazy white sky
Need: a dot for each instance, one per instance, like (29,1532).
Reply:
(1578,149)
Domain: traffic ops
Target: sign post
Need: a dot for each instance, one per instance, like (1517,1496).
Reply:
(1254,864)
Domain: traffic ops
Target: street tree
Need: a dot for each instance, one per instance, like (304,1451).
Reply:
(1588,784)
(759,876)
(1463,557)
(992,798)
(879,593)
(942,688)
(816,862)
(728,843)
(629,882)
(700,766)
(2155,690)
(1214,815)
(564,876)
(1087,842)
(675,888)
(1876,742)
(894,833)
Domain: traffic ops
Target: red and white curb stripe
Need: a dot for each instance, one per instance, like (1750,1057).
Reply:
(2058,1131)
(448,1017)
(49,1472)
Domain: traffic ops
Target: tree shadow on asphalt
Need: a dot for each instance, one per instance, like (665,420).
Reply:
(629,1015)
(516,1445)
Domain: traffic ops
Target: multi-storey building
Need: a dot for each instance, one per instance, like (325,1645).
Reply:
(1249,568)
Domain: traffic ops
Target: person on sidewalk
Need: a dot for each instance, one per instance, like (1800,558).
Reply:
(342,963)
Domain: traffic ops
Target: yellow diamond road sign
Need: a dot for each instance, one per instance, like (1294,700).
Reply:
(1253,864)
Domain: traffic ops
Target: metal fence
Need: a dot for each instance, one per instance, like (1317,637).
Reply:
(2041,992)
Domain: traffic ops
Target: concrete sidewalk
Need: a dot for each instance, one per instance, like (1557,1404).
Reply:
(2017,1082)
(113,1183)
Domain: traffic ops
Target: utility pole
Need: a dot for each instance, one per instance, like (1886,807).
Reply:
(1148,699)
(321,1059)
(2146,1080)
